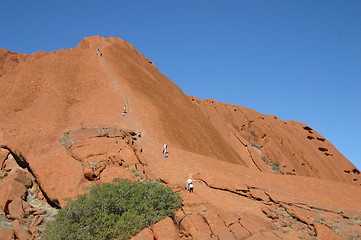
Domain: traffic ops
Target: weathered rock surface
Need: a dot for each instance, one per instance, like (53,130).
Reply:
(15,186)
(255,176)
(20,232)
(263,140)
(145,234)
(7,234)
(165,230)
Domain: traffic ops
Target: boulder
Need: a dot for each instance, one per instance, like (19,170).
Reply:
(145,234)
(3,156)
(20,231)
(34,231)
(111,172)
(89,173)
(10,164)
(22,176)
(165,230)
(9,191)
(15,209)
(178,217)
(6,234)
(36,221)
(28,208)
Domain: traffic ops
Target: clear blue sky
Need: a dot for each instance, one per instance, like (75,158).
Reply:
(298,60)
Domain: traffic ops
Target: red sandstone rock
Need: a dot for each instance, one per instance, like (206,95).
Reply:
(195,226)
(128,157)
(111,172)
(99,167)
(89,173)
(28,208)
(23,177)
(7,234)
(10,164)
(178,217)
(217,225)
(259,194)
(15,209)
(36,221)
(165,230)
(239,231)
(9,60)
(3,156)
(34,231)
(84,134)
(40,212)
(324,233)
(264,236)
(20,231)
(10,190)
(145,234)
(254,224)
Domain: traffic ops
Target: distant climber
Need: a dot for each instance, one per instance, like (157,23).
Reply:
(189,181)
(99,52)
(136,133)
(190,188)
(165,151)
(124,111)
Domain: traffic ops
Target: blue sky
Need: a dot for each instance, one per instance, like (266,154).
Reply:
(298,60)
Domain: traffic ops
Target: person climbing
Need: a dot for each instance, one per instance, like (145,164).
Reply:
(165,150)
(190,188)
(99,52)
(189,181)
(124,111)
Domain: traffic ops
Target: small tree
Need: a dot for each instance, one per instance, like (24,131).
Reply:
(113,211)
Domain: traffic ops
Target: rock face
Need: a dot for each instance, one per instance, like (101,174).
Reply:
(271,145)
(255,176)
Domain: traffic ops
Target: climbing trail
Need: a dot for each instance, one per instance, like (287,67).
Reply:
(114,80)
(130,118)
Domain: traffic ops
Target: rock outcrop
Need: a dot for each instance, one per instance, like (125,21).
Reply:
(270,144)
(255,176)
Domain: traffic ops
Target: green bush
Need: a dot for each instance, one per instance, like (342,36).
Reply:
(257,146)
(113,211)
(276,166)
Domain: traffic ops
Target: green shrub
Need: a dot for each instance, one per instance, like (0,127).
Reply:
(337,229)
(66,140)
(113,211)
(355,220)
(257,146)
(319,220)
(264,159)
(276,166)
